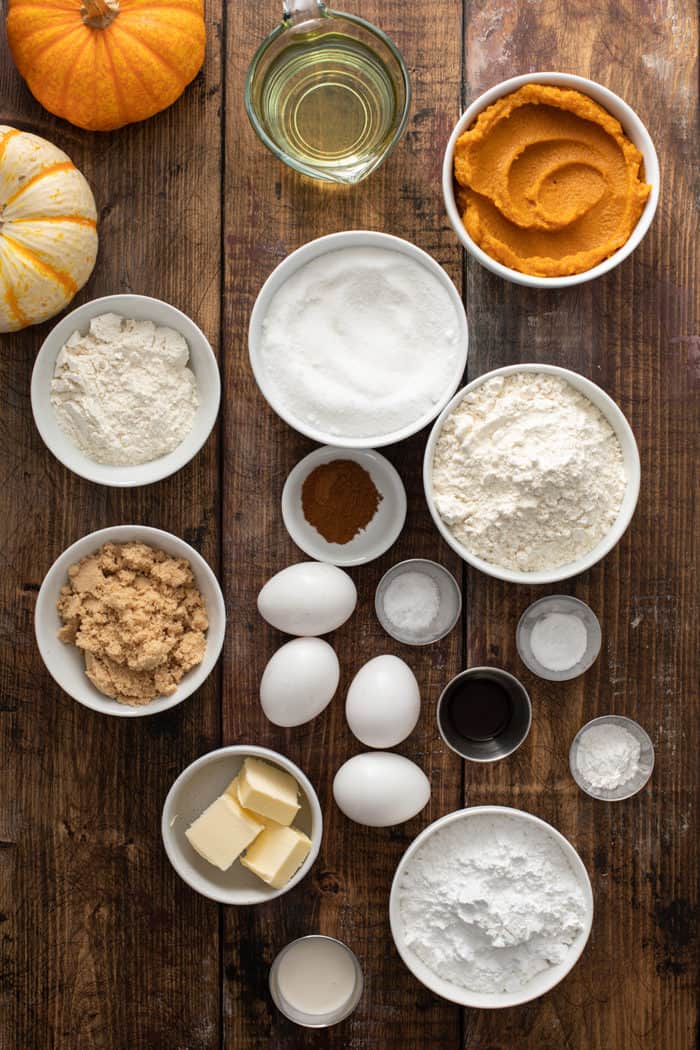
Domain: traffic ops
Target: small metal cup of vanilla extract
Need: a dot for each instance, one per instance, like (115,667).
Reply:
(484,714)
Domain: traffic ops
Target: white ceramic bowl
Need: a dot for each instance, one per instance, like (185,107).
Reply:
(632,126)
(197,787)
(66,663)
(371,542)
(630,455)
(202,362)
(539,985)
(321,246)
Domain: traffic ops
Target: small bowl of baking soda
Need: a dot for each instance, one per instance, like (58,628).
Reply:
(611,758)
(558,637)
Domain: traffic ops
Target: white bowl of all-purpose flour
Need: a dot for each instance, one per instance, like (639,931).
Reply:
(531,473)
(139,401)
(358,339)
(490,907)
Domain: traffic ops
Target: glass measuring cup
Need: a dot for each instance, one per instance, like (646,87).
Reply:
(328,93)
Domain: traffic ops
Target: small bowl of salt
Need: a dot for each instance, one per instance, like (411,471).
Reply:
(611,758)
(418,601)
(558,637)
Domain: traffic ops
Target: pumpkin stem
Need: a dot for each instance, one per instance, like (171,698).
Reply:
(98,14)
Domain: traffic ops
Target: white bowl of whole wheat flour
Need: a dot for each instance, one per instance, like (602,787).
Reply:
(524,889)
(358,339)
(139,414)
(66,662)
(531,473)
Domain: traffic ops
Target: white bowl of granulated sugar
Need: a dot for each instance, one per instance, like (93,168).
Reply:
(358,339)
(528,896)
(120,402)
(531,473)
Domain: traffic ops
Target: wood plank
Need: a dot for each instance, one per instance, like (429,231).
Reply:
(268,212)
(633,332)
(101,944)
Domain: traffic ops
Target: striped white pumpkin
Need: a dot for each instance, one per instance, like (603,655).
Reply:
(48,229)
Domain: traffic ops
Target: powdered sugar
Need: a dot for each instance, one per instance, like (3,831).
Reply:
(491,902)
(123,392)
(527,473)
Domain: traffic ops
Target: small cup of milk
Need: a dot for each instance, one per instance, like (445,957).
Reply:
(316,981)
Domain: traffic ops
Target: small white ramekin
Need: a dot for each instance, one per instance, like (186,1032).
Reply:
(195,789)
(66,663)
(378,535)
(633,128)
(202,362)
(332,243)
(455,993)
(630,454)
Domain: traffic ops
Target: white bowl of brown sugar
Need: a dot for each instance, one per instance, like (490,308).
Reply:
(130,621)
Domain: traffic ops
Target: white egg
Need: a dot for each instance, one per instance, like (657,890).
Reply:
(308,599)
(383,702)
(380,789)
(299,681)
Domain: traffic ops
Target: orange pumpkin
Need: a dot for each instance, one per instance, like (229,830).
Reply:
(104,63)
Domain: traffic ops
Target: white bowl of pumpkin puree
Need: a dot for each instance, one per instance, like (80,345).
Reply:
(550,180)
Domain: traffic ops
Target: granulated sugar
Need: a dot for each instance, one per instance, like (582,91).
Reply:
(361,342)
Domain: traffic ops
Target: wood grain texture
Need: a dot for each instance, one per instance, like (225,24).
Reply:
(633,333)
(347,894)
(99,939)
(101,945)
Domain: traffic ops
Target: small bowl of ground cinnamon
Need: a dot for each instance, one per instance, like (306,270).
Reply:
(344,506)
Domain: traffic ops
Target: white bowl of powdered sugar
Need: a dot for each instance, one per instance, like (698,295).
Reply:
(531,473)
(490,907)
(358,339)
(125,390)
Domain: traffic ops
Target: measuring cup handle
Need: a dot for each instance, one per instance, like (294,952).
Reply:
(295,11)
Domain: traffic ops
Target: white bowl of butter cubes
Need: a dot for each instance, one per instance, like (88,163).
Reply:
(242,825)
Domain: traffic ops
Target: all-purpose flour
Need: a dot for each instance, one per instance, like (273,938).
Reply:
(527,473)
(123,392)
(361,342)
(491,902)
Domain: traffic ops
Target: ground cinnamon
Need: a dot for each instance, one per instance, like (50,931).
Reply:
(339,499)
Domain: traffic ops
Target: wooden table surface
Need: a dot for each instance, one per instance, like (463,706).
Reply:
(101,944)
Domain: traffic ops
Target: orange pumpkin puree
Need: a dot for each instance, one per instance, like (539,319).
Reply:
(548,182)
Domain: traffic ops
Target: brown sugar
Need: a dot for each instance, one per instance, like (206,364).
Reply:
(139,618)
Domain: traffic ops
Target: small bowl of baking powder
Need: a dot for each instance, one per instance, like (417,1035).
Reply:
(611,758)
(125,390)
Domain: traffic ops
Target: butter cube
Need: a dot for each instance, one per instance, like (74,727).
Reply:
(268,790)
(257,818)
(277,853)
(223,831)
